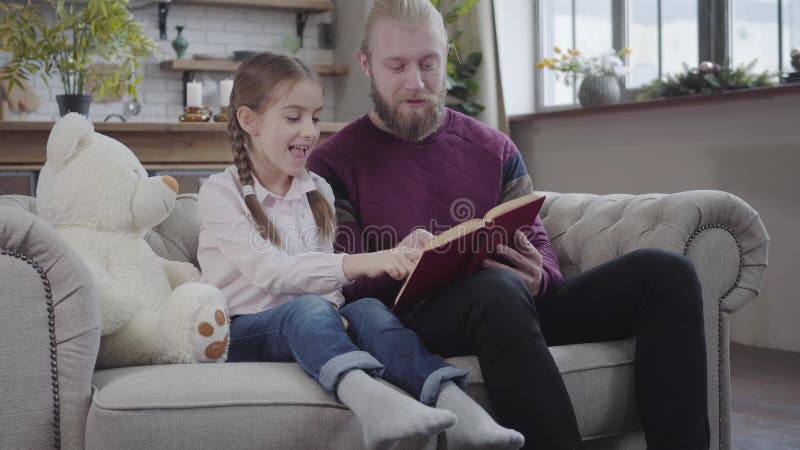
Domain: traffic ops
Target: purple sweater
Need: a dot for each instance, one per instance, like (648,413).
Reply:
(385,188)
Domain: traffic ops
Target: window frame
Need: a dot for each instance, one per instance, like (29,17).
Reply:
(714,40)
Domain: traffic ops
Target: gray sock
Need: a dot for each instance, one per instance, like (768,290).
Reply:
(386,415)
(475,427)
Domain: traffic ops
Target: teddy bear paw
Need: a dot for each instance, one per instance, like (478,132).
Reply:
(216,349)
(210,336)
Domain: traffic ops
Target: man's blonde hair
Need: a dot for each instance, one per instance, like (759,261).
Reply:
(406,11)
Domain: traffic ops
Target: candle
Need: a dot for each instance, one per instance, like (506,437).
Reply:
(194,93)
(225,88)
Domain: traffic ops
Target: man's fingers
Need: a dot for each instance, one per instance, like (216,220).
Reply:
(492,264)
(525,246)
(520,260)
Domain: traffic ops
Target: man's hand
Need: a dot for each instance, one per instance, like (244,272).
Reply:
(527,262)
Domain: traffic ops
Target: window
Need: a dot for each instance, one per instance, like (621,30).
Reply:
(582,24)
(790,28)
(663,34)
(765,31)
(754,33)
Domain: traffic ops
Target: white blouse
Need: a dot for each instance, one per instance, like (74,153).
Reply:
(253,274)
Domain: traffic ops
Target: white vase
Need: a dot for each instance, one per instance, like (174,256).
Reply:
(599,90)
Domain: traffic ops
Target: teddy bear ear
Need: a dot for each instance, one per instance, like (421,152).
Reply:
(65,137)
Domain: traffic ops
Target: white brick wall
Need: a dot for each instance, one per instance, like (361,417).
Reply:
(211,30)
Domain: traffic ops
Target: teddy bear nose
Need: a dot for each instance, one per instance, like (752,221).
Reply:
(171,182)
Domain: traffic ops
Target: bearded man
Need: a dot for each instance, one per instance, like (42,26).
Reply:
(412,167)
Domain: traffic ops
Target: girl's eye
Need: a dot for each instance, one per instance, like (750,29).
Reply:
(293,119)
(315,119)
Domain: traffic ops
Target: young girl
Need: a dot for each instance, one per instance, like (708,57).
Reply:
(266,242)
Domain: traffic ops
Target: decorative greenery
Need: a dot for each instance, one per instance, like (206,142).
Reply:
(79,37)
(459,84)
(571,63)
(708,78)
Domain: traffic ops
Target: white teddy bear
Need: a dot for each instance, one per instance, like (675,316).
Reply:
(95,192)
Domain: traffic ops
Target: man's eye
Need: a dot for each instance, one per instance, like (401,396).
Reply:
(315,119)
(292,119)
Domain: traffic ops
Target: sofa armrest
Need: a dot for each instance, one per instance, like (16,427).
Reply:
(50,330)
(722,235)
(177,236)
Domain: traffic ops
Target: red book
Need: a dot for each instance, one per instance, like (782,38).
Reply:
(459,251)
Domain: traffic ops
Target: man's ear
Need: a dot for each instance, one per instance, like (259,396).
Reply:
(363,61)
(248,120)
(65,137)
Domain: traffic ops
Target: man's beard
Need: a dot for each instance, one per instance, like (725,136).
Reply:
(415,127)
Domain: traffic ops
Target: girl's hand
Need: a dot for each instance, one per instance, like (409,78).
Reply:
(417,239)
(397,262)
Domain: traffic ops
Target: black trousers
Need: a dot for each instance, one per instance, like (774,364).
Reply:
(651,295)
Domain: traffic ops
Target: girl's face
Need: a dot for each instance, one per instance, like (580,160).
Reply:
(283,135)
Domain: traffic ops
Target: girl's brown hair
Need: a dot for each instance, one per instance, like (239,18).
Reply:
(256,86)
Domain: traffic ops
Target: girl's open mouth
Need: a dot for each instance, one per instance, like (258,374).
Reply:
(298,151)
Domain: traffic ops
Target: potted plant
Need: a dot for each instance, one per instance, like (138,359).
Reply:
(80,35)
(601,73)
(707,78)
(460,84)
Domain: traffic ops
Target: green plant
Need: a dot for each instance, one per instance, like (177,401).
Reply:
(98,30)
(459,83)
(708,78)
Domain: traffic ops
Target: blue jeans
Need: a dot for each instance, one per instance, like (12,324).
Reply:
(309,330)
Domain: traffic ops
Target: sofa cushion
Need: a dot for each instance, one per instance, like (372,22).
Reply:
(232,405)
(600,381)
(276,405)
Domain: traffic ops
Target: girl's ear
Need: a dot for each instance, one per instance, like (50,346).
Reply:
(248,120)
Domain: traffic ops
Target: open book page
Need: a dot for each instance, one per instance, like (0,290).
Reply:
(453,233)
(511,205)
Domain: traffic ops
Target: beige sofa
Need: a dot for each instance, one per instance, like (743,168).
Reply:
(51,395)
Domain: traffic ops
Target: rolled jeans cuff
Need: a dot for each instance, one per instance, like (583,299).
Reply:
(430,389)
(331,372)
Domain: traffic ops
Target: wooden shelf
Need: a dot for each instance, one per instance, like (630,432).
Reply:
(157,145)
(288,5)
(227,65)
(156,127)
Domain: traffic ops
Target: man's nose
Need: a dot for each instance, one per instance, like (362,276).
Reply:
(413,80)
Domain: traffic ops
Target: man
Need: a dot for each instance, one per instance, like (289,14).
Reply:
(412,163)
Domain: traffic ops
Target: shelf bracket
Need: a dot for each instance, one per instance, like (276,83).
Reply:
(300,22)
(163,9)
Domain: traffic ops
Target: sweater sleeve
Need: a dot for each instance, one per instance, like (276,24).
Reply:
(516,183)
